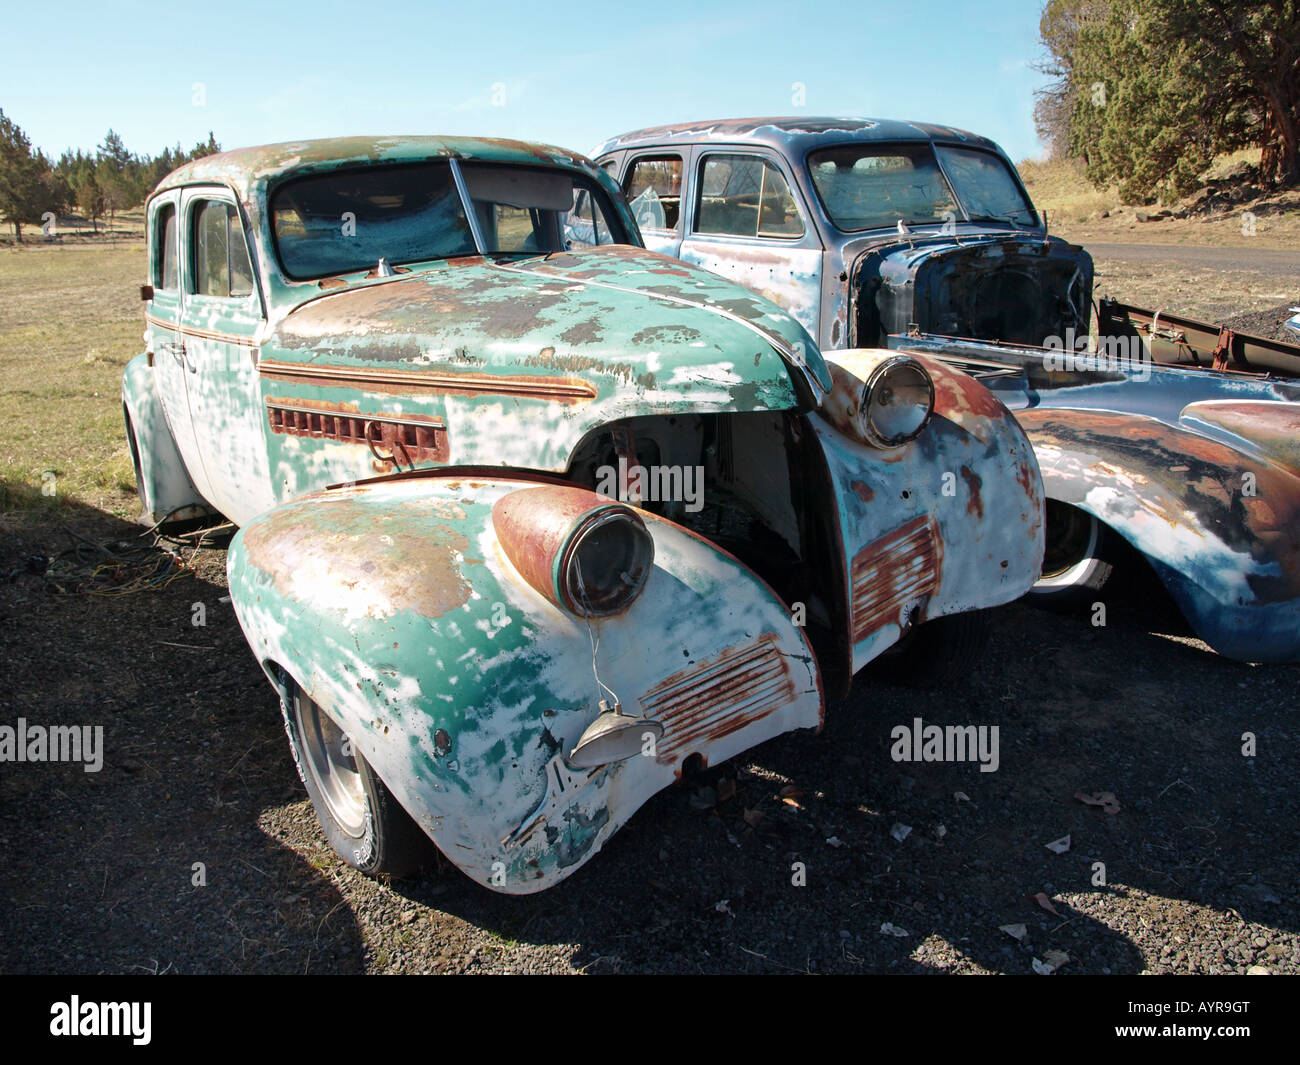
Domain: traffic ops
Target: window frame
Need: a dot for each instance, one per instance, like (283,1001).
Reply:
(581,179)
(653,154)
(158,245)
(198,197)
(807,229)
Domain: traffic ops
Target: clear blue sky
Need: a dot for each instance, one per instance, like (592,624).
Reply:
(569,73)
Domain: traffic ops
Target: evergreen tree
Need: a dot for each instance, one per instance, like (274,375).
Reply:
(1155,89)
(22,187)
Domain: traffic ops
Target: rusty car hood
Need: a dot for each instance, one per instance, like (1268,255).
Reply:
(515,363)
(640,318)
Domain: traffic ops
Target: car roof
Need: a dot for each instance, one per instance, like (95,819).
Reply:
(244,169)
(796,135)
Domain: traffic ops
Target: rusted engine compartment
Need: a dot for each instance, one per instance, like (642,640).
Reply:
(1015,290)
(765,497)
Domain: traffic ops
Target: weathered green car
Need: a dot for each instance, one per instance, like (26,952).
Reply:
(534,520)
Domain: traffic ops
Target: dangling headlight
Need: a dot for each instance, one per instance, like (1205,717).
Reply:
(882,398)
(584,553)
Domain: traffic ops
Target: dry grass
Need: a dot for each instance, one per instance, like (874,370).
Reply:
(70,321)
(74,229)
(1075,209)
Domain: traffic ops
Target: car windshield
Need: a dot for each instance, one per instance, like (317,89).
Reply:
(986,186)
(348,220)
(872,187)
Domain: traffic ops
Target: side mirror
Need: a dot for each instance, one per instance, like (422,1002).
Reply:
(146,292)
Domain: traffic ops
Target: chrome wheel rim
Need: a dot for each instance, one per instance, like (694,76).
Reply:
(1071,539)
(328,758)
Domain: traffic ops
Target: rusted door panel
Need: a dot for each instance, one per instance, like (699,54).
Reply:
(394,606)
(163,316)
(785,270)
(223,384)
(789,277)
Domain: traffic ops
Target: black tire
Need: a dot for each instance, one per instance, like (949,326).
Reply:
(1079,558)
(940,652)
(361,819)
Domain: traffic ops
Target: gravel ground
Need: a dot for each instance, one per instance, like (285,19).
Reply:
(1269,323)
(915,868)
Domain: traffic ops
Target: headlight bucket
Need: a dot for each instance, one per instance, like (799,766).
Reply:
(896,403)
(586,554)
(881,398)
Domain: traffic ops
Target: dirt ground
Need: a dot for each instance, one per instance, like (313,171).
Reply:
(1200,861)
(910,867)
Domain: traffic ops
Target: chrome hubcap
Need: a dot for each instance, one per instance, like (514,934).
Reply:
(328,757)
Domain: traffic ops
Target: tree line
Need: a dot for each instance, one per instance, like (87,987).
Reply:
(1148,92)
(95,184)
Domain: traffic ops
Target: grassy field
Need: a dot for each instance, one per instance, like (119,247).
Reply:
(70,320)
(1075,210)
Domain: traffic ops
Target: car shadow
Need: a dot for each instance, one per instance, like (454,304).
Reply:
(159,861)
(812,853)
(823,853)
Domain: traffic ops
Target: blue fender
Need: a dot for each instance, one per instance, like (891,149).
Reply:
(1218,524)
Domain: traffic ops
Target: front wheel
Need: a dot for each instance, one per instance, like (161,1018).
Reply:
(361,819)
(1077,562)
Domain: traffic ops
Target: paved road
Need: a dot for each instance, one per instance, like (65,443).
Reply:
(1271,260)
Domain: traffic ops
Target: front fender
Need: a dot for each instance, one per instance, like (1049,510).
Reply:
(395,607)
(164,484)
(950,522)
(1217,524)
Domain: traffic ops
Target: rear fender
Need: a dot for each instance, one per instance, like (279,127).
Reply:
(163,482)
(395,606)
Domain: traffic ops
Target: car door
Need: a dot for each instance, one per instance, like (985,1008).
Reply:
(221,320)
(652,183)
(163,332)
(744,220)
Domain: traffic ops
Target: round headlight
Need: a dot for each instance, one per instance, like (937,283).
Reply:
(604,562)
(897,400)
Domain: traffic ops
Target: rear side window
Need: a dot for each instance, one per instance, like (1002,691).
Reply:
(745,196)
(654,191)
(166,274)
(221,264)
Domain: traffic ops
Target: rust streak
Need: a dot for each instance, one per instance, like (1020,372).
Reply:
(890,572)
(719,696)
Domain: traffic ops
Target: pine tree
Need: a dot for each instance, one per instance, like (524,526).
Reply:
(1155,89)
(22,188)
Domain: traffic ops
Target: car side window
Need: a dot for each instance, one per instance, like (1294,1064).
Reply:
(166,274)
(745,196)
(221,263)
(654,191)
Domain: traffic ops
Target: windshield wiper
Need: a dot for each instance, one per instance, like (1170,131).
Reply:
(1009,219)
